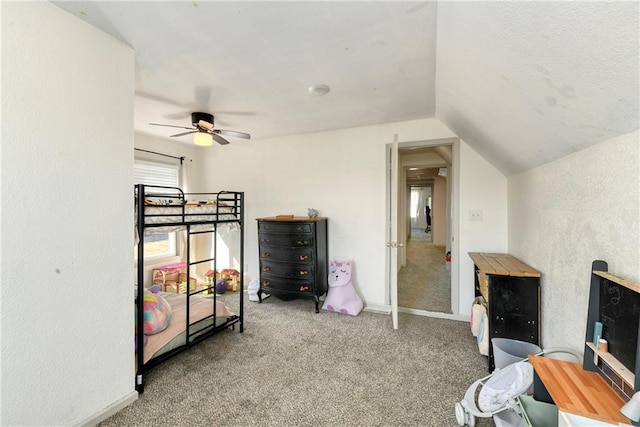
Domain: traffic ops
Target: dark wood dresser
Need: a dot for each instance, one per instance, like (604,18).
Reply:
(511,289)
(293,255)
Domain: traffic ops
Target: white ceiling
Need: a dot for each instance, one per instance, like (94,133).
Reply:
(523,83)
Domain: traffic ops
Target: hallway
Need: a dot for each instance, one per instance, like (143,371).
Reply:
(424,283)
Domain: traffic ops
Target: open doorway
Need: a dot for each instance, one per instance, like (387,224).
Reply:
(424,199)
(420,202)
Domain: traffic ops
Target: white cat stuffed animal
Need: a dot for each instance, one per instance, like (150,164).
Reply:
(342,296)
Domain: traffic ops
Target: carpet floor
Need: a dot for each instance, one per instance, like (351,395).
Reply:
(293,367)
(424,282)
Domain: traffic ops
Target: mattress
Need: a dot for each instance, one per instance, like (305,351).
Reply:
(174,335)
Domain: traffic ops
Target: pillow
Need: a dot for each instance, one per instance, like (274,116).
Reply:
(157,313)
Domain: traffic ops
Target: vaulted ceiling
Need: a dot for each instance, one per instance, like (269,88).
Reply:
(523,83)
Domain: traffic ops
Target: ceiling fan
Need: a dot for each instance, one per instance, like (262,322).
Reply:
(204,131)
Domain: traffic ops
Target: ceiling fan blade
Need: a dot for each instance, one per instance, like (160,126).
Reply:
(183,133)
(171,126)
(220,140)
(233,133)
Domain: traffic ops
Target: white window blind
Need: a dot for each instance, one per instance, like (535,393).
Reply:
(158,245)
(149,173)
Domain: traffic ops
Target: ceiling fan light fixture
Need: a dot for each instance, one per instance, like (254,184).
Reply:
(203,139)
(319,90)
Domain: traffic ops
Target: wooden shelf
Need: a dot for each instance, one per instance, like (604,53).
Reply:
(579,392)
(617,367)
(619,280)
(502,264)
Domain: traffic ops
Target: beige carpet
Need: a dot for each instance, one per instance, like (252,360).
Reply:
(293,367)
(424,283)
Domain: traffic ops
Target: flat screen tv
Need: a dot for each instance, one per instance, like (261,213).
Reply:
(619,314)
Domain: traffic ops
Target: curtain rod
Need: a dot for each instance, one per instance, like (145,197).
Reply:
(161,154)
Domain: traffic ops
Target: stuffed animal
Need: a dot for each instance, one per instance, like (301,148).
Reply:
(342,296)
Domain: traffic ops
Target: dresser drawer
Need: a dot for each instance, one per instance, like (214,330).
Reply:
(292,269)
(284,227)
(286,240)
(303,254)
(279,284)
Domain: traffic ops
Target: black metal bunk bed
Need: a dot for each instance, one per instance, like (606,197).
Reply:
(176,212)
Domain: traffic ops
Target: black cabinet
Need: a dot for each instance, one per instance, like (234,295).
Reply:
(512,291)
(293,256)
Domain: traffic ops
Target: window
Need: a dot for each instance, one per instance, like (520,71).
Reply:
(161,244)
(415,203)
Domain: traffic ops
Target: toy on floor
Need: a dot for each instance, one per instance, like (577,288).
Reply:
(342,296)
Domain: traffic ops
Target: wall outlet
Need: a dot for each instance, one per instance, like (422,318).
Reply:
(475,215)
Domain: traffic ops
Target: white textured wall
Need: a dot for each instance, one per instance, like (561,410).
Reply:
(439,213)
(478,186)
(565,214)
(67,301)
(341,173)
(547,77)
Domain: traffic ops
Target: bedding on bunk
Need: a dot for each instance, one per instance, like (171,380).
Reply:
(163,214)
(174,334)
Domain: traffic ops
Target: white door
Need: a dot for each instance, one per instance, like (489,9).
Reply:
(392,228)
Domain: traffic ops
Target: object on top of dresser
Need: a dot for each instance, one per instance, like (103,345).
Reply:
(284,217)
(313,213)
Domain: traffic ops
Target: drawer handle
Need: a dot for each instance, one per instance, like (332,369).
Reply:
(266,268)
(266,254)
(304,288)
(304,257)
(302,242)
(266,283)
(303,272)
(300,228)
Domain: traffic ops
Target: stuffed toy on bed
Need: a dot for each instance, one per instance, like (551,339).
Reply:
(342,296)
(157,312)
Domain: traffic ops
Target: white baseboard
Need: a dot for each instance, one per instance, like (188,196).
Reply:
(437,314)
(377,308)
(109,410)
(386,309)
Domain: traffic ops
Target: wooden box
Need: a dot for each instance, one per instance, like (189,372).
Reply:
(168,273)
(182,278)
(174,287)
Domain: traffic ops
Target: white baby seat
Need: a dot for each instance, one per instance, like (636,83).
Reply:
(496,394)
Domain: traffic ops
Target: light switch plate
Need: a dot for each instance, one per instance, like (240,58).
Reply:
(475,215)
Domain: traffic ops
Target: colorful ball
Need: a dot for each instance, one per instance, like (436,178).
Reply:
(157,313)
(221,286)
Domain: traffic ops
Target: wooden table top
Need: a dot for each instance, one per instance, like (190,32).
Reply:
(577,391)
(502,264)
(289,218)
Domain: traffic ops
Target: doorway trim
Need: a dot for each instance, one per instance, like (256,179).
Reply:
(454,215)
